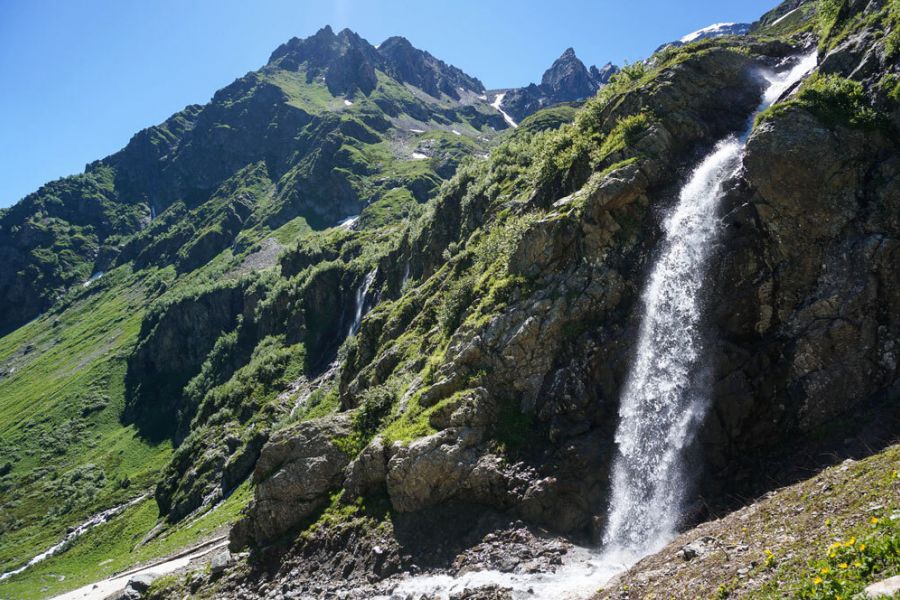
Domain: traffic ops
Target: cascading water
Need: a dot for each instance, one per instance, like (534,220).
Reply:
(361,293)
(663,400)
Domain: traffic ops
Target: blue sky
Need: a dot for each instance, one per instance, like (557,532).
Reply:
(79,78)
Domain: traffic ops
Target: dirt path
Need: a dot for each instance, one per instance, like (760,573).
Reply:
(176,562)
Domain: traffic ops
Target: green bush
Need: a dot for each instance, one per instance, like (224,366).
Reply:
(849,565)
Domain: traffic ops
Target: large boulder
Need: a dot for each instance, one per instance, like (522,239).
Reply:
(294,475)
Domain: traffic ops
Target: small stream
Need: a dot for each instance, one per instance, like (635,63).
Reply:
(98,519)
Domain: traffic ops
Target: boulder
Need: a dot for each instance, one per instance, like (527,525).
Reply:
(367,472)
(888,588)
(296,471)
(220,562)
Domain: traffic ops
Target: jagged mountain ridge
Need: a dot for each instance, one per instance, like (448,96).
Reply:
(280,116)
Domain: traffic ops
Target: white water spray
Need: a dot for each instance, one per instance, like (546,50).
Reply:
(75,533)
(361,293)
(664,397)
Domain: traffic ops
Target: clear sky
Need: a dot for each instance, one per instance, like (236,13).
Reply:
(79,78)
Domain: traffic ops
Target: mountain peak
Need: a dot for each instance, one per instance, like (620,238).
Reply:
(408,64)
(569,78)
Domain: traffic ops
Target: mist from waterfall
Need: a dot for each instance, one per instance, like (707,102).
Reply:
(665,396)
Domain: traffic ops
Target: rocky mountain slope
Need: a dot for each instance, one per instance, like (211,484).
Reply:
(309,297)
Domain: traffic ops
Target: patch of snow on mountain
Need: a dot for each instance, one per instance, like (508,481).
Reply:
(783,17)
(712,30)
(496,104)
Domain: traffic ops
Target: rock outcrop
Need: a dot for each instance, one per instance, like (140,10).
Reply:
(295,473)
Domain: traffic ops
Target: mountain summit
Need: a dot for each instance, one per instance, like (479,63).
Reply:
(567,80)
(348,62)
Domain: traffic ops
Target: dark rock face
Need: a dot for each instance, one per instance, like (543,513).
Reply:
(187,330)
(420,69)
(346,61)
(567,80)
(348,64)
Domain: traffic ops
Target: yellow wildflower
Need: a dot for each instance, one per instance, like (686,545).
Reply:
(862,547)
(817,581)
(857,564)
(825,571)
(843,565)
(874,520)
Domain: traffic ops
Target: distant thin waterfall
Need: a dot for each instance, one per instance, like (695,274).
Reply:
(361,293)
(664,398)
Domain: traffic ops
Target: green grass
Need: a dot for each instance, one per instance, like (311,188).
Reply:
(834,100)
(116,546)
(59,419)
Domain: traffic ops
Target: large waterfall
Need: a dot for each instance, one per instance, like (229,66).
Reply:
(664,398)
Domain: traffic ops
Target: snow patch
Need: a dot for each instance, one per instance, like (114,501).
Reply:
(417,130)
(706,31)
(419,156)
(455,132)
(498,100)
(349,222)
(347,103)
(92,279)
(783,17)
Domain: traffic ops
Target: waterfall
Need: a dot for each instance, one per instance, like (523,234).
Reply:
(361,293)
(405,275)
(664,398)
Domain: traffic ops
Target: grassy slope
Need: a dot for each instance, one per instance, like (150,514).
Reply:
(826,537)
(62,384)
(59,419)
(60,428)
(115,546)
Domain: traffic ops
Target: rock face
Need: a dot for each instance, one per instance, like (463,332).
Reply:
(294,475)
(567,80)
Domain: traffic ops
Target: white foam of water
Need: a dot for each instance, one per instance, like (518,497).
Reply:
(664,398)
(582,573)
(77,532)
